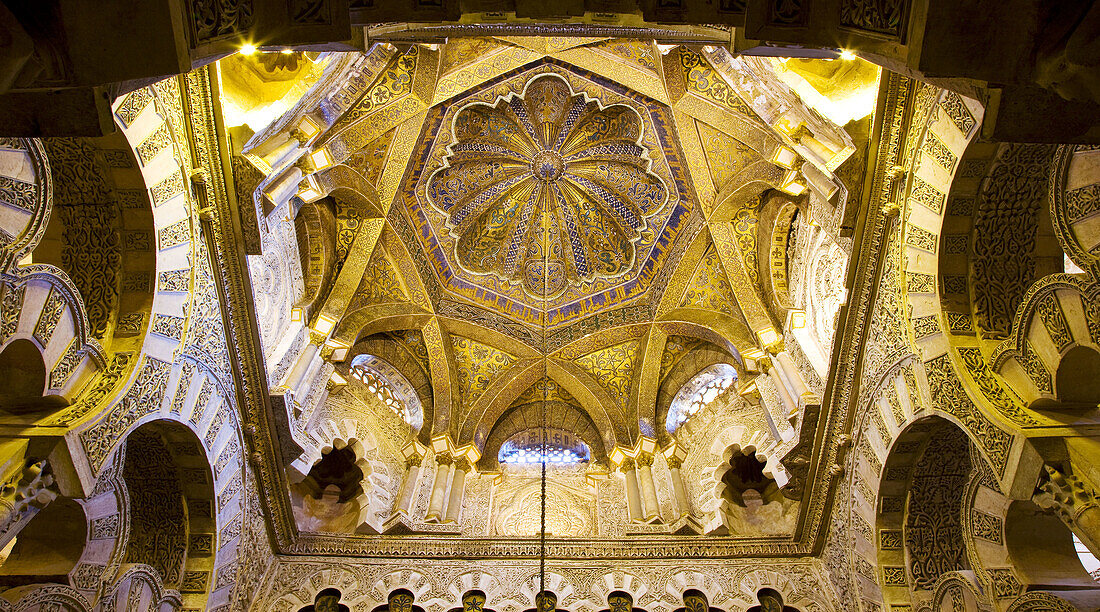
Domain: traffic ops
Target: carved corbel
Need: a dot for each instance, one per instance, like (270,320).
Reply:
(23,496)
(797,460)
(1073,501)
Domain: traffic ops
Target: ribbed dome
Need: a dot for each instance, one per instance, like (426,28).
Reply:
(547,167)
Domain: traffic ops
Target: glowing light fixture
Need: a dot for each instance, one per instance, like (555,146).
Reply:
(753,353)
(324,325)
(768,336)
(308,190)
(248,49)
(847,55)
(287,51)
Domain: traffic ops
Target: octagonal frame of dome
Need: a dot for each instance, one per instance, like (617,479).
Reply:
(402,392)
(713,380)
(562,448)
(537,168)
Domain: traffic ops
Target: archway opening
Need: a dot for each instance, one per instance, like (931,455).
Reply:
(389,386)
(557,446)
(328,600)
(704,388)
(771,601)
(49,547)
(24,374)
(744,482)
(336,474)
(1043,549)
(172,524)
(333,496)
(1078,378)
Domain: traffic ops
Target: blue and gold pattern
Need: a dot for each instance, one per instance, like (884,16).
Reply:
(548,155)
(547,178)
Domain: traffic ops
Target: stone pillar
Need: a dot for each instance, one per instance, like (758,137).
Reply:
(305,360)
(768,366)
(437,505)
(678,488)
(407,494)
(651,509)
(458,489)
(790,371)
(633,500)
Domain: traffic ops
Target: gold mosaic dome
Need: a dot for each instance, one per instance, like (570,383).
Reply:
(547,170)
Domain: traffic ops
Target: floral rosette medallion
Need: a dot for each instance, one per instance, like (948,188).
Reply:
(547,189)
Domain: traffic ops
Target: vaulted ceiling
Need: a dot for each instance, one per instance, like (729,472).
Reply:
(488,202)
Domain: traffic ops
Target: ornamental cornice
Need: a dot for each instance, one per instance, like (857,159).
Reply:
(637,547)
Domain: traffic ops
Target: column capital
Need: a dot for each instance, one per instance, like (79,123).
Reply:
(1065,495)
(626,465)
(674,462)
(444,458)
(463,464)
(643,459)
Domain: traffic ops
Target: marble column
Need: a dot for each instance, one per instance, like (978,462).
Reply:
(789,370)
(302,366)
(458,489)
(678,487)
(633,501)
(437,504)
(769,367)
(407,494)
(651,508)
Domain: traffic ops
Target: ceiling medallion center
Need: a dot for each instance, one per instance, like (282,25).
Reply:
(548,166)
(547,189)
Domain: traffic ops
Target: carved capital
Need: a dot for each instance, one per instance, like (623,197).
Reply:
(413,461)
(674,462)
(643,459)
(444,459)
(462,463)
(1065,495)
(764,363)
(627,465)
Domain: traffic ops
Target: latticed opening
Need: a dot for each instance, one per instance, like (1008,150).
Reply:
(561,448)
(389,386)
(703,389)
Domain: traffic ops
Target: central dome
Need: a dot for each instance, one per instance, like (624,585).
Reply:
(547,188)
